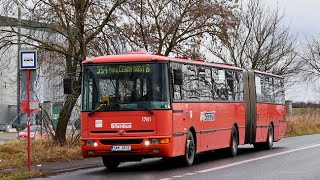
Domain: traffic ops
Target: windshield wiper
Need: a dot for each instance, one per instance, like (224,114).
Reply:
(115,106)
(146,108)
(97,109)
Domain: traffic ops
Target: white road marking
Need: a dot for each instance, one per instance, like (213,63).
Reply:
(245,161)
(190,174)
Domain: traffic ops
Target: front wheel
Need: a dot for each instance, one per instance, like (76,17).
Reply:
(110,163)
(190,149)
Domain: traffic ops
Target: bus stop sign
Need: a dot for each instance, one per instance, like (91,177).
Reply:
(28,59)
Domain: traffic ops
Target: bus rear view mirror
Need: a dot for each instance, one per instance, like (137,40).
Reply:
(177,77)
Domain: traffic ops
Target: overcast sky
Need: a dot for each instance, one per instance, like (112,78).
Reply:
(303,17)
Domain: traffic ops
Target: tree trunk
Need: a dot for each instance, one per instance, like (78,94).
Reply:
(64,117)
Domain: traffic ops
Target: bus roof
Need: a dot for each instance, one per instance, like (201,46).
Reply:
(146,57)
(268,74)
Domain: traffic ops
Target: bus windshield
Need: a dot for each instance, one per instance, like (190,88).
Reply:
(113,87)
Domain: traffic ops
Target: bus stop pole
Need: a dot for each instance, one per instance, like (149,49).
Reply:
(28,119)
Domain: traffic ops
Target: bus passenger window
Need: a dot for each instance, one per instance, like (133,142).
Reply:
(240,90)
(268,90)
(220,80)
(258,89)
(230,78)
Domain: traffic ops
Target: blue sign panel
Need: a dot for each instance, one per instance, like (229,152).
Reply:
(28,59)
(208,116)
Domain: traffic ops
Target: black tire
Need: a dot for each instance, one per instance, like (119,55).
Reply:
(269,144)
(190,149)
(110,163)
(234,142)
(266,145)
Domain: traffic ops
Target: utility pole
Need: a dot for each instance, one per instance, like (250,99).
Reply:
(18,67)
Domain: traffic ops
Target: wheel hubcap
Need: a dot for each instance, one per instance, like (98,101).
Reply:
(270,137)
(234,144)
(190,148)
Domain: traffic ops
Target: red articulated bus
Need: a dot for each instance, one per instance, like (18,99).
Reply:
(139,105)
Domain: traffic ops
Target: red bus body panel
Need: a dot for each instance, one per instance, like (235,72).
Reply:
(157,125)
(212,134)
(267,114)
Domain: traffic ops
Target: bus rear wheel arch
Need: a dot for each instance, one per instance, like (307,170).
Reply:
(270,139)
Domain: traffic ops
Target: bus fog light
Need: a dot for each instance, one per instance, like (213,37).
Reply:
(147,142)
(90,142)
(95,144)
(155,141)
(164,141)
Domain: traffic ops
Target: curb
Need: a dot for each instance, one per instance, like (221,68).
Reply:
(74,169)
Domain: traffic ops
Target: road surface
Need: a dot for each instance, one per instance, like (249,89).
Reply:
(296,158)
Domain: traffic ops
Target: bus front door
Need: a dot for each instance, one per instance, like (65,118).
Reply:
(179,118)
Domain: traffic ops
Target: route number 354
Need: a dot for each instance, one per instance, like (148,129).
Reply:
(146,119)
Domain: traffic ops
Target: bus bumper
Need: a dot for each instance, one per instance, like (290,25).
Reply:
(156,146)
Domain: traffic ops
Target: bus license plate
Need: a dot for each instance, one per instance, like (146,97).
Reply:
(121,148)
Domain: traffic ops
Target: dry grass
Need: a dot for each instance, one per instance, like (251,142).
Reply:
(14,154)
(22,175)
(304,121)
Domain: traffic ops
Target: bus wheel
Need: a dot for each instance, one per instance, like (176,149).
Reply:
(110,163)
(234,142)
(265,145)
(268,145)
(190,148)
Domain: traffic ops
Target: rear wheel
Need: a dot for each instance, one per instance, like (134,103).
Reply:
(190,149)
(266,145)
(233,150)
(269,144)
(110,163)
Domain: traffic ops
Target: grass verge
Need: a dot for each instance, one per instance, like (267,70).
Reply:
(304,121)
(22,175)
(13,155)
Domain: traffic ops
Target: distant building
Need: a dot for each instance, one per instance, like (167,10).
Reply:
(46,84)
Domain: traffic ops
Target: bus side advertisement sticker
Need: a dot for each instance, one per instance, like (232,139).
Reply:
(207,116)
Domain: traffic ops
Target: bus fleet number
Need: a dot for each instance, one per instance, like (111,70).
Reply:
(146,119)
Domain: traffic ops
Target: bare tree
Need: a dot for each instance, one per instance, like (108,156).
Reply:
(260,41)
(311,59)
(68,28)
(166,26)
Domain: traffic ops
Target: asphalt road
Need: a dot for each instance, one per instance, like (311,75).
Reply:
(296,158)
